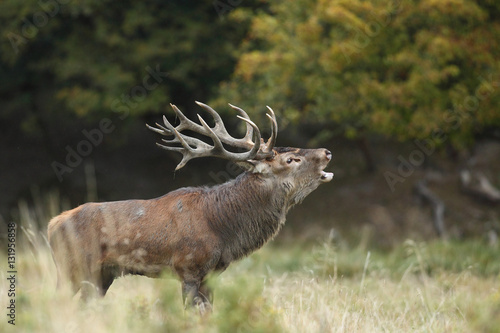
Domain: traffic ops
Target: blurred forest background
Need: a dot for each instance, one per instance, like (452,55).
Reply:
(405,93)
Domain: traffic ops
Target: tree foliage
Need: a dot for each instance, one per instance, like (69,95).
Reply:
(426,69)
(88,59)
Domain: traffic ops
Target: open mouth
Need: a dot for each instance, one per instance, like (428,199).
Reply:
(326,176)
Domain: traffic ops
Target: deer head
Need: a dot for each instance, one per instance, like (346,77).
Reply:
(299,170)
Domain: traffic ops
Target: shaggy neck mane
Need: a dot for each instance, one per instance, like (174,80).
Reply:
(246,212)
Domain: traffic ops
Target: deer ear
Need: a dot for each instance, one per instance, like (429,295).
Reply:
(255,166)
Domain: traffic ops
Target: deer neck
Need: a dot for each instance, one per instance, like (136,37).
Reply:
(247,212)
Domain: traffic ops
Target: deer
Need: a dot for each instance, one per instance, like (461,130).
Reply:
(191,231)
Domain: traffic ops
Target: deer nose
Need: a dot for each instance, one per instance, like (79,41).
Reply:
(328,154)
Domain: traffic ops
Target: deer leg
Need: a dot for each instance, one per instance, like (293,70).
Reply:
(74,282)
(206,296)
(197,295)
(107,278)
(206,293)
(95,282)
(190,293)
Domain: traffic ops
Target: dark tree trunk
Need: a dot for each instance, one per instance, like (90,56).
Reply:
(363,145)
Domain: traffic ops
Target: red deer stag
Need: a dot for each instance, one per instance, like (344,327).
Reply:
(196,230)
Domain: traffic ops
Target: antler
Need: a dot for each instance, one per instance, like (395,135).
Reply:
(192,147)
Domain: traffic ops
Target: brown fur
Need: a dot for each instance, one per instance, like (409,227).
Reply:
(192,231)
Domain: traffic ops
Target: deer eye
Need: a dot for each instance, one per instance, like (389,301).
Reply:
(289,160)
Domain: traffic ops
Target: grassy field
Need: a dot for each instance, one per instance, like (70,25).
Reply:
(321,286)
(326,285)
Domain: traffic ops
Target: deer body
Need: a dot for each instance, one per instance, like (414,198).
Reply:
(192,231)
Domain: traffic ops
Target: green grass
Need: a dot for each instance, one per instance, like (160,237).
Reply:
(321,287)
(325,286)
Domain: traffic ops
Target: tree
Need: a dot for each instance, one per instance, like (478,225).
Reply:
(407,70)
(66,60)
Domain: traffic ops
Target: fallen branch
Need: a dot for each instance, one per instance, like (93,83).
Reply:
(479,187)
(437,205)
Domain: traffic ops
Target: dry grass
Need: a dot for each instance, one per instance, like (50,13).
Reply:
(320,287)
(253,296)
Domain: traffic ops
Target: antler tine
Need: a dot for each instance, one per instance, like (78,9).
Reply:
(178,149)
(160,130)
(222,132)
(166,132)
(219,124)
(244,114)
(185,123)
(191,147)
(218,149)
(217,143)
(178,135)
(186,150)
(249,134)
(274,130)
(257,137)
